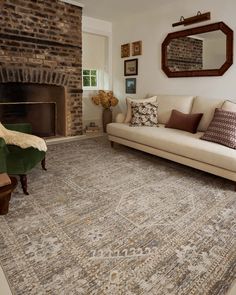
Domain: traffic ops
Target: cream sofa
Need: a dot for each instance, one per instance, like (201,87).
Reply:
(177,145)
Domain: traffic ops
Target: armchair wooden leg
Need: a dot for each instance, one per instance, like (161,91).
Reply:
(112,143)
(23,181)
(43,164)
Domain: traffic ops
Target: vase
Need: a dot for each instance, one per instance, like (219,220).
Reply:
(106,118)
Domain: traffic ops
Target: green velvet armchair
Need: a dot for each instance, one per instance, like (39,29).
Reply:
(17,161)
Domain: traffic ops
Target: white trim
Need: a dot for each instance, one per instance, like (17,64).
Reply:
(73,2)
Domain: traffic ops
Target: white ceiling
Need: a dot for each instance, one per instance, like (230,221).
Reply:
(112,10)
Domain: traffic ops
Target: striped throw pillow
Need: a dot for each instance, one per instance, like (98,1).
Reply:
(222,128)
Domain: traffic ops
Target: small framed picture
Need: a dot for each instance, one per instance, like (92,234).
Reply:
(125,50)
(131,67)
(130,85)
(137,48)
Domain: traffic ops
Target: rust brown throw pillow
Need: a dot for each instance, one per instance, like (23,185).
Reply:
(222,128)
(186,122)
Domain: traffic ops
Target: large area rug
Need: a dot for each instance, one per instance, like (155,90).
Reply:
(117,221)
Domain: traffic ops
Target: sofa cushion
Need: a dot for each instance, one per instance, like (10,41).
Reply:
(167,103)
(207,107)
(229,106)
(120,118)
(178,142)
(128,102)
(144,114)
(186,122)
(222,128)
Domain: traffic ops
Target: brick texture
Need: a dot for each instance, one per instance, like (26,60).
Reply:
(185,54)
(41,42)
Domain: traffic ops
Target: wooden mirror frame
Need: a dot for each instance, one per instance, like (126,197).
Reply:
(199,30)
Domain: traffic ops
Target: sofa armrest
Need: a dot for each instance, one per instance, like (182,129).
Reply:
(120,118)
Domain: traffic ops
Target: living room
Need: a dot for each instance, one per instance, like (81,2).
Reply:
(146,207)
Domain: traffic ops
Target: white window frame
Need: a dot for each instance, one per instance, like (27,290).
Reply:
(97,75)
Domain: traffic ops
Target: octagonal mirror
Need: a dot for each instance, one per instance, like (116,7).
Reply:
(201,51)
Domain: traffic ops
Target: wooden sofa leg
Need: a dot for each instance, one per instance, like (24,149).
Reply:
(23,181)
(112,143)
(43,163)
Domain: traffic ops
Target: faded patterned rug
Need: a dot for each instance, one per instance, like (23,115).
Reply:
(117,221)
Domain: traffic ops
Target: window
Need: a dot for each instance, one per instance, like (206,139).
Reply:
(90,79)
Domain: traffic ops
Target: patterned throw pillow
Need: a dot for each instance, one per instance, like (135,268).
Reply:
(129,110)
(222,129)
(144,114)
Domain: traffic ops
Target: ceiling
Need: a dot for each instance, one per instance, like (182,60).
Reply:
(112,10)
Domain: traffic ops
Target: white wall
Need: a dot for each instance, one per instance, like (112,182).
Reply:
(152,29)
(97,53)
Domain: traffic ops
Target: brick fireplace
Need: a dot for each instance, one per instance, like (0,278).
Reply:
(41,53)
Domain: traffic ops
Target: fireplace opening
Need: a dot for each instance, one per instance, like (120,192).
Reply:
(40,106)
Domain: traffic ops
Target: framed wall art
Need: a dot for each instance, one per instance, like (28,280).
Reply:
(137,48)
(130,85)
(131,67)
(125,50)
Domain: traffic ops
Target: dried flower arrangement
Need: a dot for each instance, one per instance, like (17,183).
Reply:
(105,99)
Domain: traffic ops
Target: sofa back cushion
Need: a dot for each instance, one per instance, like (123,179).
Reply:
(229,106)
(166,103)
(206,106)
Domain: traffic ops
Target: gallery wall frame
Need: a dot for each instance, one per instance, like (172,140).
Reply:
(130,85)
(131,67)
(125,50)
(137,48)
